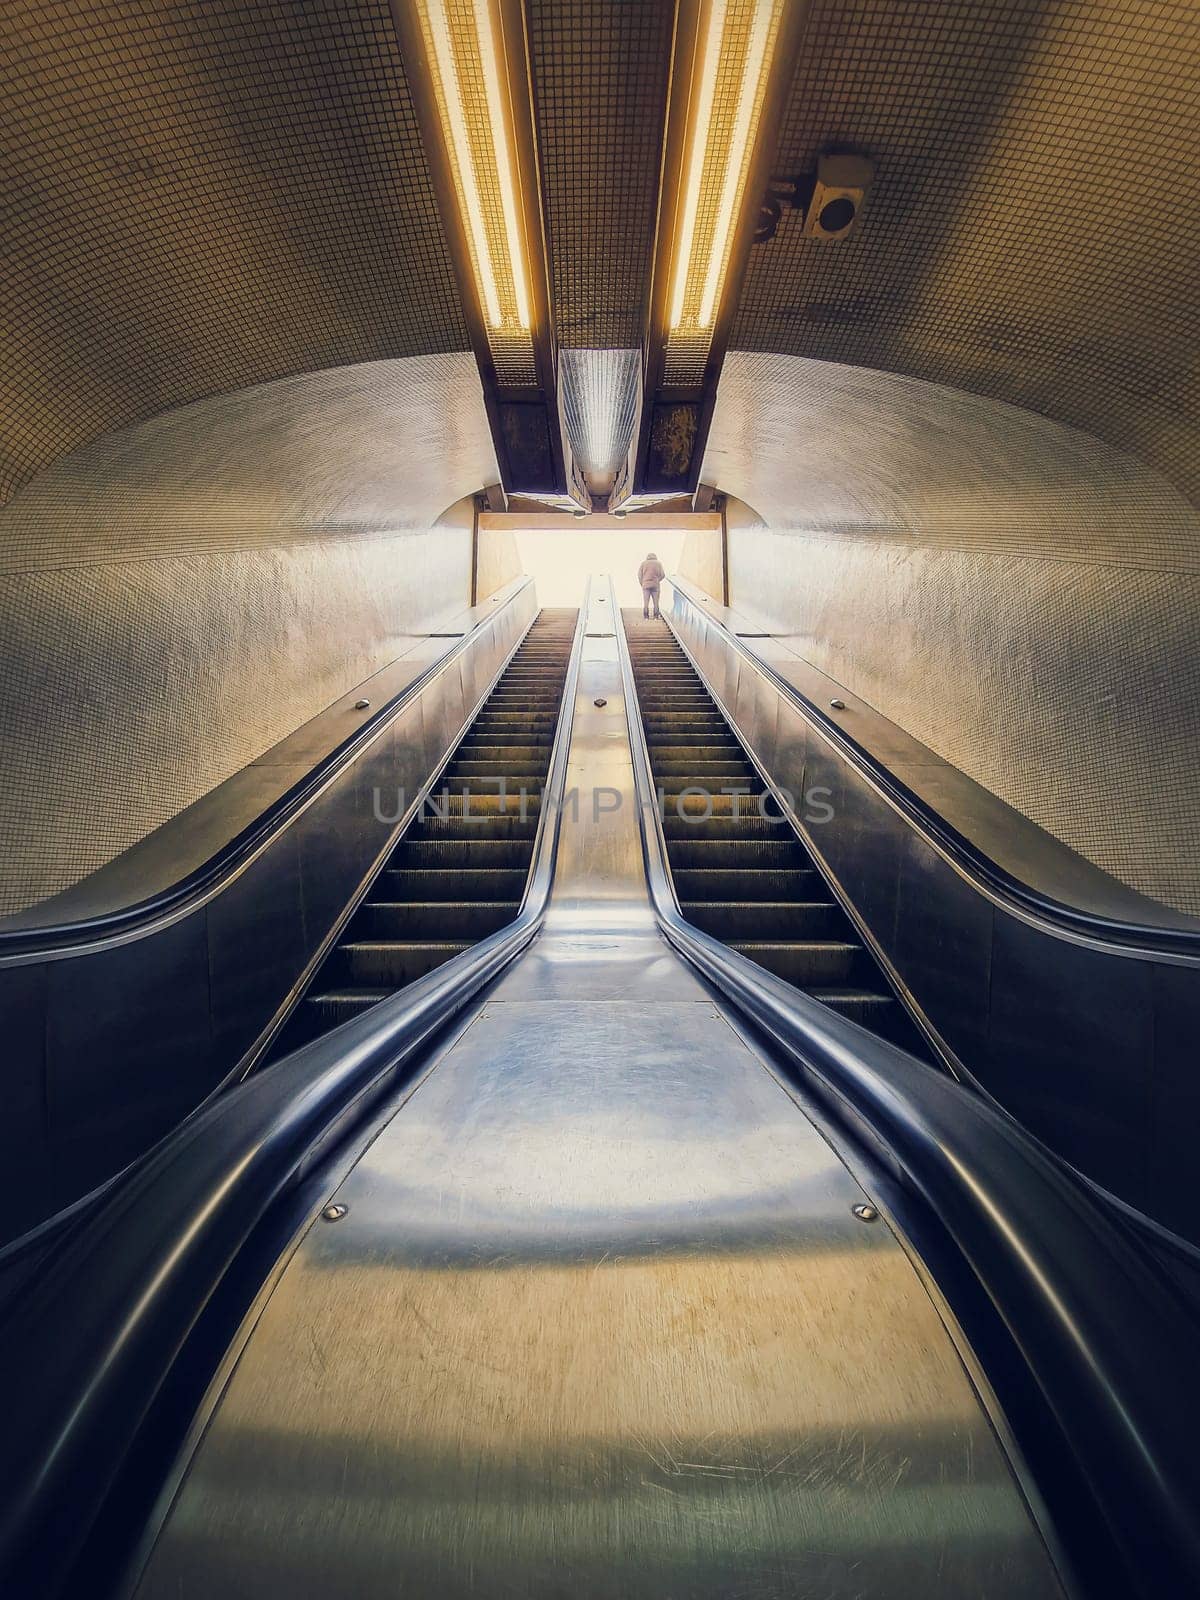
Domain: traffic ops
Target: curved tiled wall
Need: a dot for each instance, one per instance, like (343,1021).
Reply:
(1017,595)
(177,597)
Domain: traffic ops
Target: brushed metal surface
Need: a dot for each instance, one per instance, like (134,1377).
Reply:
(599,1319)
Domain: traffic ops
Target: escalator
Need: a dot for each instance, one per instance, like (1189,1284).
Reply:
(459,870)
(600,1261)
(740,871)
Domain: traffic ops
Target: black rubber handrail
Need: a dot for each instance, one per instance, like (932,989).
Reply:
(85,1350)
(1107,1341)
(962,851)
(202,880)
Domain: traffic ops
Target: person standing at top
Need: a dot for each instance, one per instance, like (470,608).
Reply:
(650,575)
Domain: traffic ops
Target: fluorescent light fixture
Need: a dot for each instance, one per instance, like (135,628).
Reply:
(463,49)
(703,89)
(726,101)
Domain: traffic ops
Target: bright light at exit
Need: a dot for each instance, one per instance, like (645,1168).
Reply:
(561,561)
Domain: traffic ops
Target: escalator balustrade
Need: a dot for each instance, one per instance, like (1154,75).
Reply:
(459,870)
(743,877)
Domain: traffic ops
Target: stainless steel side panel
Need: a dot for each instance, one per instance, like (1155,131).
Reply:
(599,1319)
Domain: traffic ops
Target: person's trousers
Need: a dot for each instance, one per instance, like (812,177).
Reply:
(649,598)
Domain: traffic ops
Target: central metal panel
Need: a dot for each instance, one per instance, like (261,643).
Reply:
(600,1319)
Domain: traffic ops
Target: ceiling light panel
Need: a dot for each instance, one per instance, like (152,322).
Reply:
(465,57)
(735,45)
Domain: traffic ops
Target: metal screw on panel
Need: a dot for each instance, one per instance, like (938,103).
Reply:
(361,705)
(335,1212)
(838,705)
(865,1213)
(599,702)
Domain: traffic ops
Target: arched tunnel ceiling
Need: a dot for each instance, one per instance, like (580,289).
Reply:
(1033,232)
(210,195)
(830,450)
(337,454)
(199,197)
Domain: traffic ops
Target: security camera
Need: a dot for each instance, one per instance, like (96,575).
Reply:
(838,195)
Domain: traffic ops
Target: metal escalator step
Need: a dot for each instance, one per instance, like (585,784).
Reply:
(748,827)
(497,739)
(514,773)
(489,884)
(519,752)
(877,1011)
(682,740)
(451,803)
(758,920)
(326,1010)
(676,775)
(803,962)
(688,724)
(697,800)
(462,852)
(699,884)
(406,920)
(478,827)
(711,750)
(390,963)
(735,853)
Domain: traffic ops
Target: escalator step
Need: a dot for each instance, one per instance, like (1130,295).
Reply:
(487,806)
(743,878)
(733,854)
(407,920)
(747,829)
(390,963)
(765,919)
(817,961)
(873,1010)
(487,884)
(454,878)
(326,1010)
(698,884)
(435,829)
(526,753)
(712,801)
(462,852)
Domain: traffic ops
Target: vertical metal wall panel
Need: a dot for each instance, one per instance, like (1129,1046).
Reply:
(176,598)
(256,948)
(1014,594)
(128,1049)
(24,1133)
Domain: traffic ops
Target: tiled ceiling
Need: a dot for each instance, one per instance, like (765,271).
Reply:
(200,196)
(600,83)
(1033,233)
